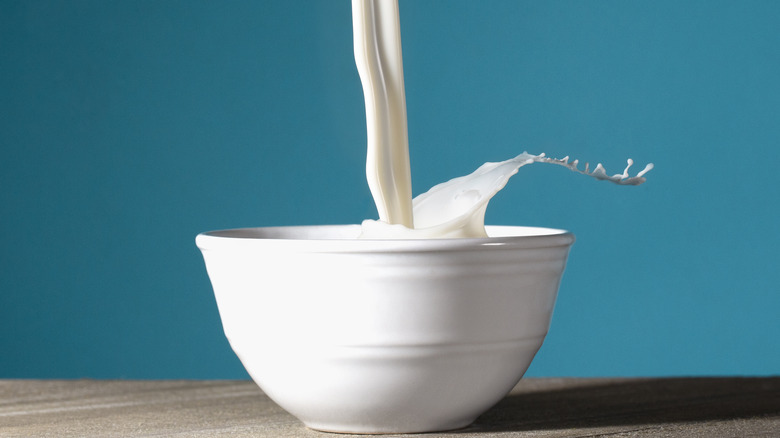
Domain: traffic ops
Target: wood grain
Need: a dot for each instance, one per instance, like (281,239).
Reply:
(659,407)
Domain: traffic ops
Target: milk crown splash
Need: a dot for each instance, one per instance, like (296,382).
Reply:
(454,209)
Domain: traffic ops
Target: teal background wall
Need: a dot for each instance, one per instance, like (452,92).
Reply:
(127,127)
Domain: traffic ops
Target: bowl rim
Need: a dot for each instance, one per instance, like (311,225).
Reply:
(343,239)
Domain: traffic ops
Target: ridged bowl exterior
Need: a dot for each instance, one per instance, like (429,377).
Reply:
(385,336)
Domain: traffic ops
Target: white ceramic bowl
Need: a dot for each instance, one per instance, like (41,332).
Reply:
(385,336)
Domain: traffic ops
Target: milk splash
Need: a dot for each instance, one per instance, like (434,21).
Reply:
(456,208)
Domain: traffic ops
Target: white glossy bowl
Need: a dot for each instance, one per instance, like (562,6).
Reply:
(385,336)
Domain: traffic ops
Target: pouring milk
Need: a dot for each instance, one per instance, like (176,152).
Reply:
(452,209)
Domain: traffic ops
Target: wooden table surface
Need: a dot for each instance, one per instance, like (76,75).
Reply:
(660,407)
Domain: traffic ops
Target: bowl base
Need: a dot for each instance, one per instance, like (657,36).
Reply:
(367,429)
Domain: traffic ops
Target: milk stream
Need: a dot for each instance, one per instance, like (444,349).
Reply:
(454,209)
(377,40)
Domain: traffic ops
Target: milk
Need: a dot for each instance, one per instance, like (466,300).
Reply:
(457,207)
(454,209)
(378,57)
